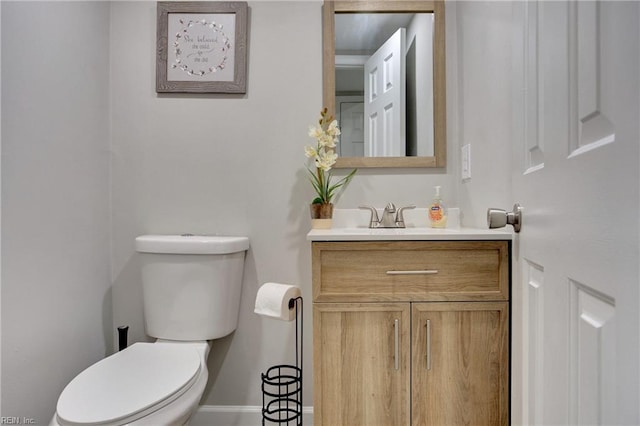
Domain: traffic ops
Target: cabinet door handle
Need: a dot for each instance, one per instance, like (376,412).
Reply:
(428,325)
(396,330)
(416,272)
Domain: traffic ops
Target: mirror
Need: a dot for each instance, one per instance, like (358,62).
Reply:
(420,139)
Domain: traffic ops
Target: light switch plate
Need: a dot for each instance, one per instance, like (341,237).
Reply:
(466,161)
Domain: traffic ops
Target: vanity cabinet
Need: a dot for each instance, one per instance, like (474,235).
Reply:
(411,332)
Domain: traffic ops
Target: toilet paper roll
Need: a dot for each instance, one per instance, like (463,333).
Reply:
(272,301)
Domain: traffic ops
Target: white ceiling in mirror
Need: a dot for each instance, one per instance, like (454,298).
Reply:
(361,34)
(365,32)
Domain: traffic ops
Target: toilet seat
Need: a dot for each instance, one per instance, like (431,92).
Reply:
(129,384)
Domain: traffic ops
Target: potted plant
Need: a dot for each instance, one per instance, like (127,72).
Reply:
(324,156)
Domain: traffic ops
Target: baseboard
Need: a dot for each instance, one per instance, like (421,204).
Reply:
(237,415)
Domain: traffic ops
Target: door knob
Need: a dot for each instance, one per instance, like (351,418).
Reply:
(497,218)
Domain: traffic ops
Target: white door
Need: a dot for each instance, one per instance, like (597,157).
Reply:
(576,159)
(384,99)
(351,119)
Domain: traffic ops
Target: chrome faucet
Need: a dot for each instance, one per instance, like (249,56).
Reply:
(388,219)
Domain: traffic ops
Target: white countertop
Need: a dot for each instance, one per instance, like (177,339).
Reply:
(413,234)
(352,225)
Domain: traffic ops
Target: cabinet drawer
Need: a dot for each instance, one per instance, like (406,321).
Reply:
(410,270)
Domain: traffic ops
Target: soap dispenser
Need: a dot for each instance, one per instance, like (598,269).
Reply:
(437,211)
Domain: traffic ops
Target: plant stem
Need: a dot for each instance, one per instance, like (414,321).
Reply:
(321,184)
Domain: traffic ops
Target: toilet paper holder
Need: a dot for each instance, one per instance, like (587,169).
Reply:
(282,384)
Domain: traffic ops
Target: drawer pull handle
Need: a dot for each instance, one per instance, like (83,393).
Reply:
(417,272)
(396,330)
(428,325)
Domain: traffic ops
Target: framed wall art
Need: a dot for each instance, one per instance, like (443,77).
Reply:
(201,47)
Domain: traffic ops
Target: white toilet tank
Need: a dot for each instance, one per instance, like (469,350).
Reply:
(191,285)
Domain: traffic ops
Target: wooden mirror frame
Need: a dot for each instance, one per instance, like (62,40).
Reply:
(329,9)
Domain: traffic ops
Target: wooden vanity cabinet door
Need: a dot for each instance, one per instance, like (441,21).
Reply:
(355,377)
(460,363)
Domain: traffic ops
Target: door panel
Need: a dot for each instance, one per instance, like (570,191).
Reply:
(576,160)
(384,99)
(592,344)
(351,121)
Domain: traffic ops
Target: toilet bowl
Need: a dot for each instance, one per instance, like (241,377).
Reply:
(146,384)
(191,291)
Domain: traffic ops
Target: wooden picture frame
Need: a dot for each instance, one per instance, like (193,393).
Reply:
(201,47)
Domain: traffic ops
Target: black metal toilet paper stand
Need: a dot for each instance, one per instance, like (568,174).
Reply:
(282,384)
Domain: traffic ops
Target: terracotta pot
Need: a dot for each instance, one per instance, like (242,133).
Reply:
(321,215)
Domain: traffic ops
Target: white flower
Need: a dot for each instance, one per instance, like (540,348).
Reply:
(315,131)
(326,160)
(310,151)
(326,141)
(333,129)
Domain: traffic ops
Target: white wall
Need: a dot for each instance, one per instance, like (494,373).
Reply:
(56,303)
(0,214)
(231,165)
(179,163)
(484,99)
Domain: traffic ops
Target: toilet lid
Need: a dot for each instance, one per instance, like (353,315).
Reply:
(127,383)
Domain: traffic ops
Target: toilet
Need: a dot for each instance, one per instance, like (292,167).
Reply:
(191,292)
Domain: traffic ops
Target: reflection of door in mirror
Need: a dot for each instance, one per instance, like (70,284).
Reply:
(350,115)
(384,99)
(357,37)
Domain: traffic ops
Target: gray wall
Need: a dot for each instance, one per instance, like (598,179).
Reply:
(91,152)
(56,302)
(231,165)
(482,91)
(0,219)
